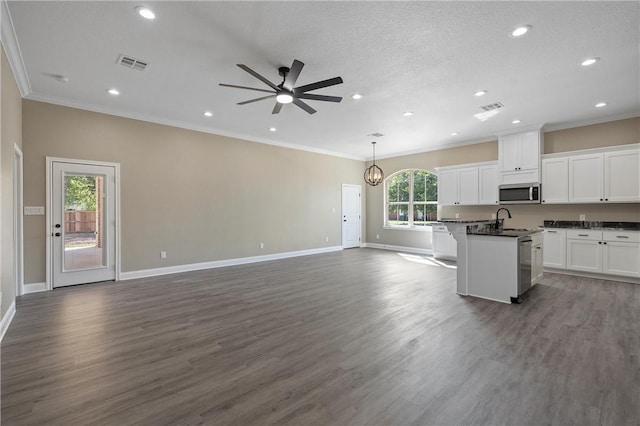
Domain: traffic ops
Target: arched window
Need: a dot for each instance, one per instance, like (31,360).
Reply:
(411,198)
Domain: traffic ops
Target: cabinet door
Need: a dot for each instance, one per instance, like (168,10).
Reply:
(621,259)
(529,150)
(468,186)
(537,270)
(448,187)
(585,179)
(622,176)
(555,180)
(584,255)
(509,152)
(488,185)
(555,248)
(444,245)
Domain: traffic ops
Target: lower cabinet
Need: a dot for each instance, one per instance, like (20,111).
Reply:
(443,244)
(555,248)
(607,252)
(537,263)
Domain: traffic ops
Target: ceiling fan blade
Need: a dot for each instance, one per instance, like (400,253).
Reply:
(258,76)
(256,99)
(293,75)
(276,108)
(304,106)
(318,85)
(313,97)
(245,87)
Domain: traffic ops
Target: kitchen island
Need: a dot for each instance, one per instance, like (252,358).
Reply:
(495,263)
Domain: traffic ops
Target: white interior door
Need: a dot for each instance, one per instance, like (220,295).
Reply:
(351,216)
(83,223)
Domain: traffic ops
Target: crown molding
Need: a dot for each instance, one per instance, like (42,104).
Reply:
(12,49)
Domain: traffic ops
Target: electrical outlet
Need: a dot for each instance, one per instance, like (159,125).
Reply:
(333,209)
(163,255)
(493,215)
(377,236)
(457,215)
(261,245)
(326,239)
(583,217)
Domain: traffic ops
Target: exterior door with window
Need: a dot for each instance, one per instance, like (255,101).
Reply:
(83,215)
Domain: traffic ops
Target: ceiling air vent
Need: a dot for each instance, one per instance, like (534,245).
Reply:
(491,107)
(376,135)
(132,63)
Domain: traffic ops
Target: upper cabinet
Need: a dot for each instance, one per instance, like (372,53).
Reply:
(470,184)
(555,180)
(608,177)
(519,157)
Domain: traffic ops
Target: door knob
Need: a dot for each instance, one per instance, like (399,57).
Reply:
(57,225)
(57,234)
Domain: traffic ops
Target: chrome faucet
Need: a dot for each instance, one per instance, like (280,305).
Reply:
(498,220)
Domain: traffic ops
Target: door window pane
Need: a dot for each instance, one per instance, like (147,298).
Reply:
(83,222)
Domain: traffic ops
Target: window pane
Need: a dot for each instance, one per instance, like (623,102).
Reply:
(423,213)
(425,186)
(398,214)
(398,187)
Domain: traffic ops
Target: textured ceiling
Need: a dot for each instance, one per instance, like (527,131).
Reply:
(425,57)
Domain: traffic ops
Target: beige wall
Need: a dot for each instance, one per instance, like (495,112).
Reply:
(10,134)
(198,196)
(613,133)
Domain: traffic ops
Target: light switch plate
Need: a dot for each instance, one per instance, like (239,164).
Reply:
(583,217)
(33,210)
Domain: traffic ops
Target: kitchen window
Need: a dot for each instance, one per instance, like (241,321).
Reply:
(411,198)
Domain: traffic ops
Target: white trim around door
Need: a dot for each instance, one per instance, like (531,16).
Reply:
(18,220)
(74,163)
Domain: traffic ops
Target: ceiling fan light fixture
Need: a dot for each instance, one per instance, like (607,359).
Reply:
(284,98)
(520,31)
(373,174)
(145,12)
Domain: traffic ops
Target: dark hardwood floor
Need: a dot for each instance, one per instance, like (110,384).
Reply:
(361,336)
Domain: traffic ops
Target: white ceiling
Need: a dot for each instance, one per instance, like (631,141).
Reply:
(424,57)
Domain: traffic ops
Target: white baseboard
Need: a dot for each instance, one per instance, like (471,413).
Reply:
(221,263)
(6,320)
(399,248)
(34,288)
(607,277)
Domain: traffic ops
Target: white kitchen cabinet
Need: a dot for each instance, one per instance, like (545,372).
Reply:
(537,258)
(488,185)
(458,186)
(586,178)
(610,177)
(622,176)
(555,180)
(621,253)
(584,255)
(444,246)
(519,157)
(555,248)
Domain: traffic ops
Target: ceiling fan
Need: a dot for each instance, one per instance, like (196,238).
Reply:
(285,93)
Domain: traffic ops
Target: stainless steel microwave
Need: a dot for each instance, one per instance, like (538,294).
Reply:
(519,193)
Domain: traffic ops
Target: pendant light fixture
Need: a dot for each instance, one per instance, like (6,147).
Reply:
(373,175)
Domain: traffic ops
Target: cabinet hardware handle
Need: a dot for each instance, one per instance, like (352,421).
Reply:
(583,235)
(552,232)
(599,242)
(604,242)
(606,199)
(622,236)
(600,199)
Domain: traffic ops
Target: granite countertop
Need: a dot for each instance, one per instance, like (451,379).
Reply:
(508,232)
(599,225)
(466,220)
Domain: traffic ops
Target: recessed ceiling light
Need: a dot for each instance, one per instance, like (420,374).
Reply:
(272,129)
(454,134)
(113,92)
(589,61)
(357,96)
(284,98)
(480,93)
(601,104)
(145,12)
(208,114)
(515,122)
(520,31)
(408,114)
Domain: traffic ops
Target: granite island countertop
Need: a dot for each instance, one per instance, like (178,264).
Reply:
(597,225)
